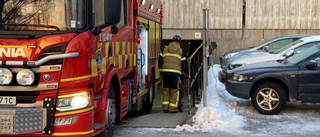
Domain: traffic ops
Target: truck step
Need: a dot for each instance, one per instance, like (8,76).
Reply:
(97,125)
(96,97)
(123,86)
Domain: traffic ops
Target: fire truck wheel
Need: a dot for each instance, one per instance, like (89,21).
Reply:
(111,113)
(148,101)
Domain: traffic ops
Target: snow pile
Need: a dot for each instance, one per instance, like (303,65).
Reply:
(219,113)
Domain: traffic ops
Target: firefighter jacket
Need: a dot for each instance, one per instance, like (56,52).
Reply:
(172,59)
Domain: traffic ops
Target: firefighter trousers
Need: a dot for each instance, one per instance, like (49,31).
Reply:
(170,96)
(170,99)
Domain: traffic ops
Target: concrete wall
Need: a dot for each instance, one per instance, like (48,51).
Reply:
(238,24)
(234,14)
(187,14)
(234,39)
(282,14)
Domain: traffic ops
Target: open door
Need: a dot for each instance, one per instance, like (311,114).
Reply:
(142,57)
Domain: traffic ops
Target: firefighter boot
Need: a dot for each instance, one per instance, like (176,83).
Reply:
(165,99)
(174,99)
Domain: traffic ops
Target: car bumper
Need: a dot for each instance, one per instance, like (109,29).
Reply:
(239,89)
(223,63)
(222,76)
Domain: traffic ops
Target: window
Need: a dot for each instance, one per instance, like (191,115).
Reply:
(102,11)
(304,47)
(48,15)
(286,47)
(303,55)
(97,15)
(123,14)
(280,43)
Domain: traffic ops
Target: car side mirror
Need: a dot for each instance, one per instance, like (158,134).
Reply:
(289,53)
(312,64)
(266,48)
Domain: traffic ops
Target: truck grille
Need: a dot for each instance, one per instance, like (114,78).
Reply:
(22,96)
(59,49)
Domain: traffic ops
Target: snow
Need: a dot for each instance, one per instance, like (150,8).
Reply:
(234,116)
(219,113)
(226,115)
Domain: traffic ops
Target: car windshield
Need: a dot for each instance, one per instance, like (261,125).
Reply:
(304,54)
(56,15)
(286,47)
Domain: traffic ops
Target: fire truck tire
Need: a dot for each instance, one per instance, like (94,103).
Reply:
(111,113)
(131,88)
(148,101)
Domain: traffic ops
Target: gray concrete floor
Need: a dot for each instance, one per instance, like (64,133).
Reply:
(157,118)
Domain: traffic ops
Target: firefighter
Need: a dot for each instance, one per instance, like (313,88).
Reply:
(171,63)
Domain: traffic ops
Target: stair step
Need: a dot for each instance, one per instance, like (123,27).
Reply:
(97,125)
(97,97)
(123,86)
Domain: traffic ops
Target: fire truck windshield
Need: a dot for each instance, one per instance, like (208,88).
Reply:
(55,15)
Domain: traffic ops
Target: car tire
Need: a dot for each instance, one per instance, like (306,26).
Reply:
(268,98)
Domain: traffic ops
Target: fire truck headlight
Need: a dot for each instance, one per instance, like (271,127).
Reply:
(25,77)
(73,101)
(5,76)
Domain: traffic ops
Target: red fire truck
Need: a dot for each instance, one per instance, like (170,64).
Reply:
(76,67)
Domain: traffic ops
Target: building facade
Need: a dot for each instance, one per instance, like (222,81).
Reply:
(238,24)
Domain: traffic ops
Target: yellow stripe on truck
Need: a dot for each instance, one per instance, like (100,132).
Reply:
(134,59)
(76,78)
(13,46)
(72,133)
(73,112)
(94,67)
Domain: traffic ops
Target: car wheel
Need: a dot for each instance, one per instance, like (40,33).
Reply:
(148,102)
(269,98)
(111,113)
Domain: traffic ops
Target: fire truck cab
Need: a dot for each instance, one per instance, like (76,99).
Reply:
(76,67)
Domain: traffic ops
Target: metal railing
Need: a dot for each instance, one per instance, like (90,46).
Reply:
(198,67)
(195,65)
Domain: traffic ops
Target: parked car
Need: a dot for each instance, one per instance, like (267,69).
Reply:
(280,54)
(271,84)
(268,46)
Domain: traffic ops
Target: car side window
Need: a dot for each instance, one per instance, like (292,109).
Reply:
(280,43)
(304,47)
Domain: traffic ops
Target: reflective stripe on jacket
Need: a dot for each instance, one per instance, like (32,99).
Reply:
(172,57)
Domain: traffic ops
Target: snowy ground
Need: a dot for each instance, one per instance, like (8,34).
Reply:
(226,115)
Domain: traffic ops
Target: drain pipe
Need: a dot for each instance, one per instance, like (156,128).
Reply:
(205,54)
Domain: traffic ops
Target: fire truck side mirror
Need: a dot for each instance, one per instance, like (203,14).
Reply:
(112,12)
